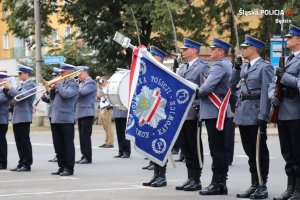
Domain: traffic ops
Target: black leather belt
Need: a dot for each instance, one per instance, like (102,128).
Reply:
(289,92)
(249,97)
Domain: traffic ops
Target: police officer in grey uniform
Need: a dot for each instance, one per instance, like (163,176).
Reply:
(252,113)
(120,117)
(46,98)
(218,82)
(4,104)
(289,114)
(85,113)
(195,71)
(64,96)
(22,117)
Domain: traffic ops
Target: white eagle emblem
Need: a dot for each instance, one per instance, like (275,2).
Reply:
(150,107)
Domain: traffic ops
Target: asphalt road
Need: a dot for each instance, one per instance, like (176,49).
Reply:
(109,178)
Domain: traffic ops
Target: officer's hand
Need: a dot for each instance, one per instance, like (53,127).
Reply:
(238,62)
(262,126)
(279,72)
(274,101)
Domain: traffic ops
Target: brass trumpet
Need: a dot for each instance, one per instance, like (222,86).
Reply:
(46,85)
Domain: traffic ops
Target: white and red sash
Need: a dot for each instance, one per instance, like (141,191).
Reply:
(222,106)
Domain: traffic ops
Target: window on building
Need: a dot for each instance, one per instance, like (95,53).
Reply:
(5,41)
(55,37)
(67,31)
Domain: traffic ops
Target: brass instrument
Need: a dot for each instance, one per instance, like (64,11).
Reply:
(46,85)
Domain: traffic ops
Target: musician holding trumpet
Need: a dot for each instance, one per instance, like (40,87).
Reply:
(4,104)
(22,116)
(64,92)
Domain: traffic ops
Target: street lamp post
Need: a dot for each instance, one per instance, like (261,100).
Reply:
(38,53)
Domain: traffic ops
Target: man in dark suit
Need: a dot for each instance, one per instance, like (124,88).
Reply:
(64,96)
(22,116)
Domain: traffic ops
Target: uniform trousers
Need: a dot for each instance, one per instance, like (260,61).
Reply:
(217,147)
(289,138)
(124,144)
(63,135)
(3,145)
(22,138)
(248,137)
(188,144)
(85,127)
(229,139)
(51,127)
(105,117)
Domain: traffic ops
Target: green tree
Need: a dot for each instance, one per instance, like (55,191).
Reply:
(98,20)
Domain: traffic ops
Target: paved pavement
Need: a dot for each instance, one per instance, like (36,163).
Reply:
(111,178)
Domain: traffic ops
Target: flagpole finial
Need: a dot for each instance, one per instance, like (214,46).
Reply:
(123,40)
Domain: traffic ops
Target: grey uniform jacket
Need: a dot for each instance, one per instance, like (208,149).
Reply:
(86,99)
(117,113)
(64,99)
(196,74)
(218,81)
(258,79)
(4,104)
(23,109)
(289,108)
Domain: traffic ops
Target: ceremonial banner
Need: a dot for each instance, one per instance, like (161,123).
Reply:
(159,103)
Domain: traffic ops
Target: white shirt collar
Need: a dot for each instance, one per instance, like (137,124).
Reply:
(23,82)
(192,62)
(252,62)
(296,53)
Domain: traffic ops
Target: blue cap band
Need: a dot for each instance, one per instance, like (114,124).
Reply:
(188,43)
(221,44)
(158,52)
(251,41)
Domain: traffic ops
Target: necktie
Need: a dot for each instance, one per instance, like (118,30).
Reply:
(290,57)
(187,66)
(249,65)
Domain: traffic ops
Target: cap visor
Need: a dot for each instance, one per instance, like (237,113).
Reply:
(288,35)
(184,47)
(212,46)
(245,45)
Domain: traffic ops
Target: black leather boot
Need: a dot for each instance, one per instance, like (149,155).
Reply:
(155,175)
(289,190)
(190,174)
(195,184)
(247,193)
(296,194)
(161,179)
(261,191)
(217,186)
